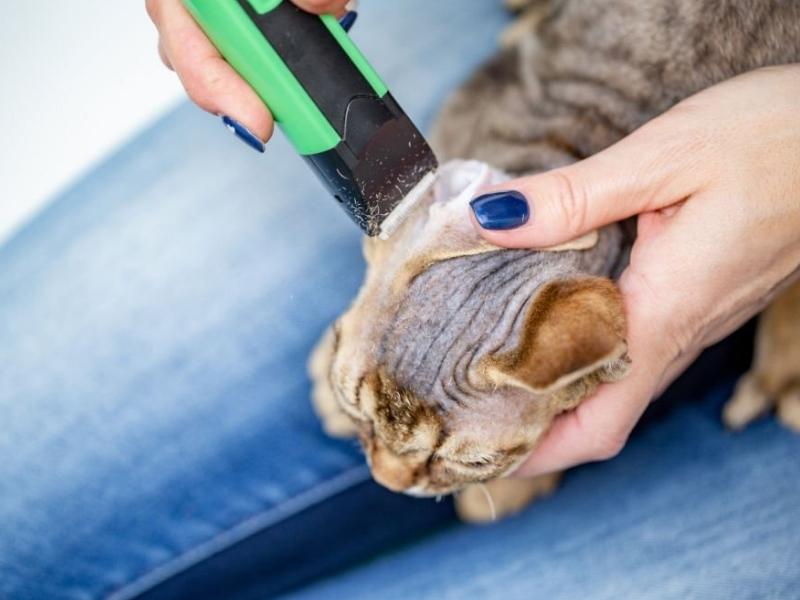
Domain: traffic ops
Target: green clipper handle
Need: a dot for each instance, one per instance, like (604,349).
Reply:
(324,95)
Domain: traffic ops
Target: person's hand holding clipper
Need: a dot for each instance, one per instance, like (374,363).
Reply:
(274,56)
(209,80)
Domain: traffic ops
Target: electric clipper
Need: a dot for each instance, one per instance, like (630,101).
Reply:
(330,103)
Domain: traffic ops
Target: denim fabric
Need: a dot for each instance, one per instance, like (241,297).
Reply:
(155,430)
(154,327)
(687,511)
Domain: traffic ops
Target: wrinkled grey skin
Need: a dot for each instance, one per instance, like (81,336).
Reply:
(416,366)
(463,309)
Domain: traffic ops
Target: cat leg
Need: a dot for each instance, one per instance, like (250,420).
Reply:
(508,496)
(788,409)
(749,402)
(772,381)
(781,354)
(525,24)
(335,421)
(517,5)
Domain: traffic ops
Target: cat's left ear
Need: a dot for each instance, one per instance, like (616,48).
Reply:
(572,328)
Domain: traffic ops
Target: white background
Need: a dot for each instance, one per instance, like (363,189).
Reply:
(78,79)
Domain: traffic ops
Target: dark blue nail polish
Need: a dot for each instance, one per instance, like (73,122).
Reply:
(501,210)
(243,133)
(348,20)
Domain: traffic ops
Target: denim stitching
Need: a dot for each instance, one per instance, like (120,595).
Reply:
(240,532)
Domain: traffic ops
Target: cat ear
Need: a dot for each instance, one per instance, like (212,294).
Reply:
(572,328)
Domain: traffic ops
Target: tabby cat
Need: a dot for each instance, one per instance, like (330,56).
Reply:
(456,356)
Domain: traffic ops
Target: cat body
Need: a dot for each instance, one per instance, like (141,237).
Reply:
(456,356)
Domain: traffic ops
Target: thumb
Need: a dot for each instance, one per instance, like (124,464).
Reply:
(648,170)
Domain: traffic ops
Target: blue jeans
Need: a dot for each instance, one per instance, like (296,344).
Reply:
(157,439)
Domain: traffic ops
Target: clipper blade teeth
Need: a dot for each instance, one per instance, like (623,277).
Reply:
(398,215)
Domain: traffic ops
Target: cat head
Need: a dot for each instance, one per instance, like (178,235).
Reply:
(456,356)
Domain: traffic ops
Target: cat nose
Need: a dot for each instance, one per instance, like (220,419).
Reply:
(390,471)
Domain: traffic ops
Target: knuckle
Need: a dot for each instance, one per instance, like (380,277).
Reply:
(570,203)
(609,445)
(604,442)
(680,336)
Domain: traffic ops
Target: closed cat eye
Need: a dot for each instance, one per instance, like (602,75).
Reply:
(475,464)
(411,451)
(472,464)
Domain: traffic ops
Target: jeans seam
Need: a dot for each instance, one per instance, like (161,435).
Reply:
(237,533)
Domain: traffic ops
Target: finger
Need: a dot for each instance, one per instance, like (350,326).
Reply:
(654,167)
(209,81)
(323,7)
(596,430)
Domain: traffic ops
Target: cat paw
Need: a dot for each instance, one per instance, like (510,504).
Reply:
(334,420)
(788,409)
(749,402)
(484,503)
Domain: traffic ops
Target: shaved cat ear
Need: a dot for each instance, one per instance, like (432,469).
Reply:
(571,329)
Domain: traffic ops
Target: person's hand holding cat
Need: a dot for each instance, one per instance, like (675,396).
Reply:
(209,80)
(715,183)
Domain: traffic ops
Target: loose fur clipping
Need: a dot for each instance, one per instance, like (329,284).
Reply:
(456,356)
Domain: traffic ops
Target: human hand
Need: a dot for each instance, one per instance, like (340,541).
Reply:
(209,80)
(715,183)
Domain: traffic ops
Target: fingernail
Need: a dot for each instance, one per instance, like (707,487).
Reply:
(348,20)
(501,210)
(243,133)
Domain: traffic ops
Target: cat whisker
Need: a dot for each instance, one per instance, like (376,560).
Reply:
(489,500)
